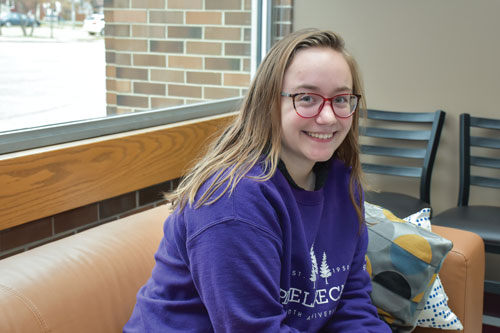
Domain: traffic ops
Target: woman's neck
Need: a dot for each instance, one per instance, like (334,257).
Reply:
(302,175)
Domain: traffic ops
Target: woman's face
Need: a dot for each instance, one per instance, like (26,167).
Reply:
(323,71)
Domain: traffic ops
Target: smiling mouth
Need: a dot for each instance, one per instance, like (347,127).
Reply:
(322,136)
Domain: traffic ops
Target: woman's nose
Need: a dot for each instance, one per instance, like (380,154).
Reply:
(327,115)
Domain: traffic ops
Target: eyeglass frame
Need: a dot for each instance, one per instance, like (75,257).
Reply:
(325,99)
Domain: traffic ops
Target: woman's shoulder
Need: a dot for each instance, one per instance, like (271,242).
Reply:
(252,199)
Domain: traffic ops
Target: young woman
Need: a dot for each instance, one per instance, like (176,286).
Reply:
(268,232)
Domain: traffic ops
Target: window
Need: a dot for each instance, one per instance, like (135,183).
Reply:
(166,61)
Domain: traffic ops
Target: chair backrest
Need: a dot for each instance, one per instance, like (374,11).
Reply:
(470,158)
(399,143)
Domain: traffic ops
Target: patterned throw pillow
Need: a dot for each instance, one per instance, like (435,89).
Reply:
(403,261)
(436,312)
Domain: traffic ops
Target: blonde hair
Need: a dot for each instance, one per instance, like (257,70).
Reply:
(255,134)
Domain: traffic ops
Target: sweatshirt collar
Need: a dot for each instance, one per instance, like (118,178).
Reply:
(320,169)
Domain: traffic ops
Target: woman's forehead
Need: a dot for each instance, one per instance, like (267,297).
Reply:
(316,68)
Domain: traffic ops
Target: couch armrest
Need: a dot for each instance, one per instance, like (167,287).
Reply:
(462,276)
(83,283)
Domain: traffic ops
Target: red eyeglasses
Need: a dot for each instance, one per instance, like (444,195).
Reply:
(309,105)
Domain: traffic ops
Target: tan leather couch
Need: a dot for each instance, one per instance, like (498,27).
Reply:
(88,282)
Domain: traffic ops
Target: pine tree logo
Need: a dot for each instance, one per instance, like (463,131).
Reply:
(314,271)
(325,269)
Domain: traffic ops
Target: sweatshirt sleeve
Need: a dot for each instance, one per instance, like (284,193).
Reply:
(235,266)
(355,311)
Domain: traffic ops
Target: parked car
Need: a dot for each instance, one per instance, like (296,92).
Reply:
(15,18)
(94,24)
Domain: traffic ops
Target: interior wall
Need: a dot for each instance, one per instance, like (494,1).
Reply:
(421,56)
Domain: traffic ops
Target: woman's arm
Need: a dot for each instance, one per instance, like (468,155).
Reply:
(236,269)
(355,311)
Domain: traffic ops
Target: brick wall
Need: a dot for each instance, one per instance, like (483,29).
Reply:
(161,53)
(30,235)
(282,19)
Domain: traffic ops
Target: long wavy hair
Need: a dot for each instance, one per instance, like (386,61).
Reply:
(255,134)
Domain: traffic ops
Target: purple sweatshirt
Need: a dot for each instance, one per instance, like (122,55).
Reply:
(267,258)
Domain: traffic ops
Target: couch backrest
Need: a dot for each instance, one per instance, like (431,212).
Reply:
(83,283)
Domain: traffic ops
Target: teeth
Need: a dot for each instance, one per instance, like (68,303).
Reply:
(320,135)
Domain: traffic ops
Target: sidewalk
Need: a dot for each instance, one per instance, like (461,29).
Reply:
(48,80)
(60,33)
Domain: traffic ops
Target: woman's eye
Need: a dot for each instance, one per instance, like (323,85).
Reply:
(306,98)
(340,100)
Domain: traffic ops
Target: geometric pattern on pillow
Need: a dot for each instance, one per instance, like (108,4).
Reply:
(436,312)
(421,218)
(403,261)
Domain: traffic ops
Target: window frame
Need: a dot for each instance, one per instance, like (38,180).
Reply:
(37,137)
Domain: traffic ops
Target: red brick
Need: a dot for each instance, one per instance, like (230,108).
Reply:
(209,48)
(110,98)
(110,71)
(166,46)
(222,33)
(219,93)
(75,218)
(233,79)
(237,18)
(184,91)
(123,86)
(148,4)
(165,75)
(132,101)
(137,210)
(123,58)
(184,32)
(229,64)
(157,103)
(185,4)
(204,78)
(131,73)
(223,4)
(148,31)
(117,205)
(149,88)
(128,44)
(129,16)
(185,62)
(116,4)
(25,233)
(237,49)
(149,60)
(282,14)
(118,30)
(203,18)
(247,35)
(164,16)
(111,84)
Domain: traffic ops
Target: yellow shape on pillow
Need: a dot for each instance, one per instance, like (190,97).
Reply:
(418,298)
(368,265)
(388,318)
(389,215)
(416,245)
(431,282)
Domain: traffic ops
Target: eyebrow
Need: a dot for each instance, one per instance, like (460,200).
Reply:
(315,88)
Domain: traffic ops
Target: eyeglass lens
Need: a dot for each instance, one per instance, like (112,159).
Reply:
(308,105)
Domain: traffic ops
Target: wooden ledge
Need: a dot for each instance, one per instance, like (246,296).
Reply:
(43,182)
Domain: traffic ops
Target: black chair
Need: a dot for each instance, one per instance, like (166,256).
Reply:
(482,152)
(406,138)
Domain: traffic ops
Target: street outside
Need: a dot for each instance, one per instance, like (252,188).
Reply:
(56,76)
